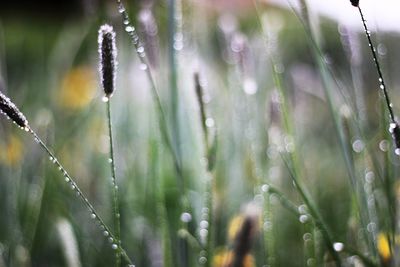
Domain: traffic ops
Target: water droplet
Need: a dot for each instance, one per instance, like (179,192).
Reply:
(204,224)
(397,151)
(265,188)
(338,246)
(203,233)
(93,216)
(114,246)
(110,239)
(303,218)
(202,260)
(382,86)
(250,86)
(73,187)
(210,122)
(51,158)
(121,8)
(143,66)
(302,209)
(380,80)
(371,227)
(392,126)
(358,146)
(186,217)
(67,179)
(384,145)
(126,22)
(110,160)
(307,237)
(106,233)
(369,177)
(140,49)
(129,28)
(105,99)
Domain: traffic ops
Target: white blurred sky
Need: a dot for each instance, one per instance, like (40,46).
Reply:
(380,14)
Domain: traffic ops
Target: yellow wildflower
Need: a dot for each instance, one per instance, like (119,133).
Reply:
(234,227)
(384,247)
(77,88)
(13,151)
(224,258)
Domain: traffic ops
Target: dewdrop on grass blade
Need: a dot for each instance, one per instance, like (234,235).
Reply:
(108,60)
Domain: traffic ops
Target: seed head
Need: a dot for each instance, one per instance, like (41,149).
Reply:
(394,129)
(108,59)
(354,2)
(11,111)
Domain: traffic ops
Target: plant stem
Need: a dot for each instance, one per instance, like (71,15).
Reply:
(117,223)
(94,214)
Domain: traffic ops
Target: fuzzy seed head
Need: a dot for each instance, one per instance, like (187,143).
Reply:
(354,2)
(108,59)
(394,129)
(12,112)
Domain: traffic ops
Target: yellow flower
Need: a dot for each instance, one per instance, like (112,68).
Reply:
(77,88)
(224,258)
(234,227)
(13,151)
(384,247)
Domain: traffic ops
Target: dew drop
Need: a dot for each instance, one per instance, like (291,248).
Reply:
(121,8)
(106,233)
(105,99)
(384,145)
(114,246)
(110,160)
(67,179)
(110,239)
(129,28)
(210,122)
(126,22)
(265,188)
(140,49)
(397,151)
(186,217)
(358,146)
(202,260)
(303,218)
(382,86)
(204,224)
(93,216)
(338,246)
(143,66)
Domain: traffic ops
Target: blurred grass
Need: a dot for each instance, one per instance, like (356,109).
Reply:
(38,57)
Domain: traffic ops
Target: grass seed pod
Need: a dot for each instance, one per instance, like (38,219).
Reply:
(108,59)
(11,111)
(354,2)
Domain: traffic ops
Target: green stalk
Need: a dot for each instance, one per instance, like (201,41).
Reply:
(94,214)
(117,223)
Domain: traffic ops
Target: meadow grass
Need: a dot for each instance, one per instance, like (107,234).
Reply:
(231,147)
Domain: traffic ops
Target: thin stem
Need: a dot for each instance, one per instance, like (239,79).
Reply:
(117,223)
(94,215)
(378,68)
(130,29)
(319,222)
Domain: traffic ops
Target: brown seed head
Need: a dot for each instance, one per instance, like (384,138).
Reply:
(354,2)
(108,59)
(12,112)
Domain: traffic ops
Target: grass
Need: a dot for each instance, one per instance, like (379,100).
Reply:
(236,147)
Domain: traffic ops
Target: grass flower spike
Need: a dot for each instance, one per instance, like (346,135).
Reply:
(354,2)
(12,112)
(108,59)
